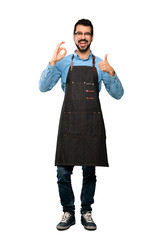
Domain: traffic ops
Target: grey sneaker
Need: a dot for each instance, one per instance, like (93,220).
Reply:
(87,221)
(67,220)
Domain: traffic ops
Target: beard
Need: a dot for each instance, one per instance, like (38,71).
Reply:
(83,48)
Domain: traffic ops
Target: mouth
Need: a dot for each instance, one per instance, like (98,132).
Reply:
(83,43)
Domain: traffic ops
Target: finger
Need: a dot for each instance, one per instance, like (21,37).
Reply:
(62,51)
(61,43)
(101,68)
(62,48)
(101,63)
(105,58)
(58,46)
(64,54)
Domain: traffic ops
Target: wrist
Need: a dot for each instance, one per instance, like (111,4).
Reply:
(52,63)
(111,72)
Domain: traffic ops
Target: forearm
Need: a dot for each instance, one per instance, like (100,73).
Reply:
(47,80)
(116,88)
(113,86)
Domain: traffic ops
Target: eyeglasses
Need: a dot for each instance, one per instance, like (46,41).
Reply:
(80,34)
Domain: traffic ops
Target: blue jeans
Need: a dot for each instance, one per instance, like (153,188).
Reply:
(66,192)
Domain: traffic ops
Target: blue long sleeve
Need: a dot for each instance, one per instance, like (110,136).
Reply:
(49,78)
(113,85)
(52,74)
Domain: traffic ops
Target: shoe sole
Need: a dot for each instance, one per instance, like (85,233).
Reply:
(89,228)
(65,228)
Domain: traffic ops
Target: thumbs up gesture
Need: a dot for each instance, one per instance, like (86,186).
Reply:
(105,67)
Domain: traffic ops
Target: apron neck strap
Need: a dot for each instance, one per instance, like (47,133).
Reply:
(93,61)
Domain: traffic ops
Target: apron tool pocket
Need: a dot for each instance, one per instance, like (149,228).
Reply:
(90,93)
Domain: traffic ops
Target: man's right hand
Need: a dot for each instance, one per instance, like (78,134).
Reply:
(57,54)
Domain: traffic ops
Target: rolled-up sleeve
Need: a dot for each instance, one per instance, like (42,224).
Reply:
(113,85)
(49,78)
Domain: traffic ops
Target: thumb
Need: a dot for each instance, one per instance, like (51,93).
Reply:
(105,58)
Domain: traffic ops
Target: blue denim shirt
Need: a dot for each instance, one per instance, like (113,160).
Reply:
(52,74)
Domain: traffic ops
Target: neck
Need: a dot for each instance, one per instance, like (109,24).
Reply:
(83,55)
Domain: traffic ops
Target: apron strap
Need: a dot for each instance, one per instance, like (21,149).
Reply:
(94,68)
(72,62)
(93,60)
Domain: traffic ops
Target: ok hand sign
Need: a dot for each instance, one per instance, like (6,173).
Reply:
(57,54)
(105,67)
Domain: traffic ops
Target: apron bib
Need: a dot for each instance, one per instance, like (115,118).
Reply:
(81,137)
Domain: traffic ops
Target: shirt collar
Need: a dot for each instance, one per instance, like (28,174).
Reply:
(78,58)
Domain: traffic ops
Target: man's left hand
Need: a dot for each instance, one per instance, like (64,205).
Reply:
(105,67)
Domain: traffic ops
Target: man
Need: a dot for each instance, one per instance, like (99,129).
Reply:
(81,137)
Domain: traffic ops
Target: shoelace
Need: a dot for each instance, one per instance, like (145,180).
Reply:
(88,217)
(65,217)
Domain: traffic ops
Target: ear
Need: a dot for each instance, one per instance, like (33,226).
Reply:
(74,37)
(92,39)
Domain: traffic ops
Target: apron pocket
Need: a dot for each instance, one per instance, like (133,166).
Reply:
(77,91)
(73,123)
(97,123)
(93,124)
(90,92)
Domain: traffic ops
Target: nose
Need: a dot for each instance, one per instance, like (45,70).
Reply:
(83,36)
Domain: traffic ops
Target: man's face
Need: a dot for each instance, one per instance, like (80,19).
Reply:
(83,37)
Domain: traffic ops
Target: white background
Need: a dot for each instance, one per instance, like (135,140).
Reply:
(127,195)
